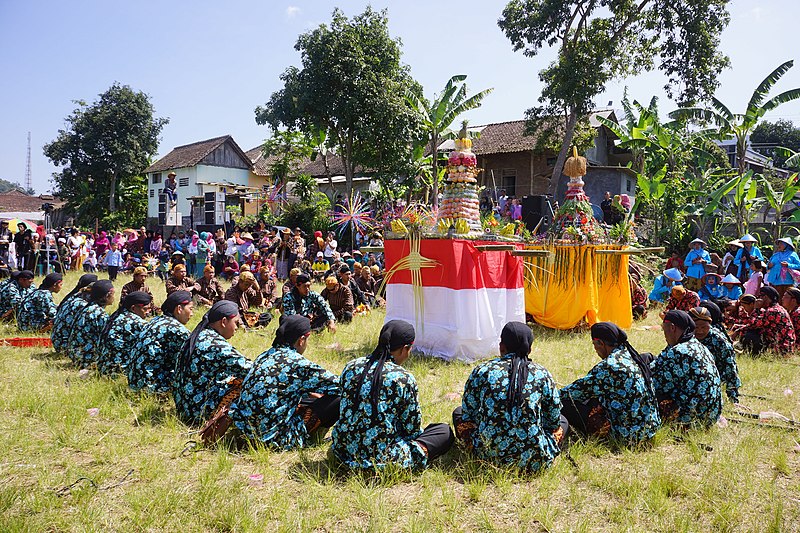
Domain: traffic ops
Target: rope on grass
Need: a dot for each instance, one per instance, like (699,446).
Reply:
(67,489)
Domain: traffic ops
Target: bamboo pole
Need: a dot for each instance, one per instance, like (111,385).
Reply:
(631,251)
(495,247)
(531,253)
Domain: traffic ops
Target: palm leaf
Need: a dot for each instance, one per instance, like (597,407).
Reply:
(764,87)
(472,102)
(782,98)
(722,109)
(700,114)
(792,157)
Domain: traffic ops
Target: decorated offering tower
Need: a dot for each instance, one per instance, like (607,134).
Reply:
(459,207)
(574,221)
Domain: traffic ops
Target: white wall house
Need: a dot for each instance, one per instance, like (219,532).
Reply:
(210,174)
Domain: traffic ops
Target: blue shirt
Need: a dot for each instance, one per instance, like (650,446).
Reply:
(36,310)
(83,343)
(66,316)
(113,258)
(115,348)
(154,354)
(662,286)
(776,274)
(708,292)
(733,293)
(744,263)
(698,270)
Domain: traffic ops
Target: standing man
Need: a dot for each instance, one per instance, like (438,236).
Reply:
(605,207)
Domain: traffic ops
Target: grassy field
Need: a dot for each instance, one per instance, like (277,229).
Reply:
(744,477)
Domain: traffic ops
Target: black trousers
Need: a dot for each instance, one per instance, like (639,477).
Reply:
(587,418)
(437,439)
(319,323)
(112,272)
(325,408)
(753,342)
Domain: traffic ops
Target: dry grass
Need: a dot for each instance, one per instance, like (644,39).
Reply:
(748,482)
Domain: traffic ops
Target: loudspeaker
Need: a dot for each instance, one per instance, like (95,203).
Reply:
(534,209)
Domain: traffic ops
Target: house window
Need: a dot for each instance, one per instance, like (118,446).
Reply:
(156,178)
(183,182)
(510,181)
(152,193)
(628,185)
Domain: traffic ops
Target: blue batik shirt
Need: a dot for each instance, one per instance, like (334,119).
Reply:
(84,338)
(312,305)
(153,357)
(686,374)
(12,294)
(725,361)
(522,435)
(115,348)
(266,408)
(36,310)
(365,437)
(66,316)
(199,385)
(618,384)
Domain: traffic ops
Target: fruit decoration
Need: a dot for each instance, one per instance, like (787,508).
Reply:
(460,195)
(574,221)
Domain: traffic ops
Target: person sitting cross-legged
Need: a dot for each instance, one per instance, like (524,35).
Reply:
(121,332)
(721,349)
(685,377)
(83,344)
(68,311)
(287,401)
(769,326)
(208,363)
(155,352)
(511,410)
(38,310)
(682,299)
(616,398)
(339,298)
(380,418)
(301,300)
(13,291)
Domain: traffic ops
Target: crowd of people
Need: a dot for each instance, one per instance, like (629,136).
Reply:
(512,412)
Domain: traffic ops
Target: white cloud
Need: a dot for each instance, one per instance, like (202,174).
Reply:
(292,11)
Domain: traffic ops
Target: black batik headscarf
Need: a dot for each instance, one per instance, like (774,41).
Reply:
(50,280)
(291,328)
(133,298)
(174,300)
(771,293)
(517,339)
(612,335)
(716,318)
(683,321)
(394,334)
(84,281)
(100,290)
(218,311)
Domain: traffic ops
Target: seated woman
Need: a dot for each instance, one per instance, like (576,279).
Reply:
(638,297)
(84,338)
(207,362)
(711,290)
(286,400)
(662,285)
(739,314)
(121,332)
(791,302)
(685,377)
(13,291)
(380,413)
(682,299)
(721,350)
(68,311)
(732,287)
(37,310)
(616,398)
(769,327)
(155,352)
(511,411)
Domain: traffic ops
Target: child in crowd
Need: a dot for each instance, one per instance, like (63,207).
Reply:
(90,264)
(732,287)
(756,279)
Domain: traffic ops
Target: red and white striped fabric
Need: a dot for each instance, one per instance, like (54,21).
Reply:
(467,297)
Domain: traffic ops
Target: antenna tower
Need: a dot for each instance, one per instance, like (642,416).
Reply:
(28,183)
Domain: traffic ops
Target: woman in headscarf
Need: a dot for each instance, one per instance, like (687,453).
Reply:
(791,302)
(769,327)
(286,400)
(380,422)
(782,261)
(201,256)
(121,331)
(685,378)
(191,254)
(207,362)
(616,398)
(68,311)
(155,352)
(13,291)
(84,338)
(101,244)
(38,309)
(511,410)
(721,350)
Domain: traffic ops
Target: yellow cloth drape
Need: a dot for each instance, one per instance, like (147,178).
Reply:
(574,283)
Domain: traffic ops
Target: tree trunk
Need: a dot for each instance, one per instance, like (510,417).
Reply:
(328,175)
(112,200)
(435,169)
(569,133)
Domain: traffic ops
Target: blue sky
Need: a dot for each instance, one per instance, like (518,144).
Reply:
(207,65)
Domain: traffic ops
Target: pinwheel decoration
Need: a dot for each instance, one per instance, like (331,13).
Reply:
(355,213)
(275,197)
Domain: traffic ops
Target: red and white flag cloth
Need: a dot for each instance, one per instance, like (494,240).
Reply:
(465,298)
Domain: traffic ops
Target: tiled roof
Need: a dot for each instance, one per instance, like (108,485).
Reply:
(261,164)
(14,200)
(189,155)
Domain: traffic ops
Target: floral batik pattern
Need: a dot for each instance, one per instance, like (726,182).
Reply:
(775,326)
(66,316)
(115,348)
(83,343)
(36,311)
(153,357)
(725,361)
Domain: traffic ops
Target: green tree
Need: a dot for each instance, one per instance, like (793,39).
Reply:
(352,86)
(105,145)
(288,150)
(741,125)
(768,136)
(6,186)
(438,114)
(599,40)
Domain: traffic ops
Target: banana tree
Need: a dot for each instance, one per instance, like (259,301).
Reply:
(778,199)
(437,115)
(792,157)
(737,196)
(741,125)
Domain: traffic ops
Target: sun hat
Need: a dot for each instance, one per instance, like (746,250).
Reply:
(712,275)
(787,241)
(730,278)
(674,274)
(747,238)
(320,254)
(735,243)
(247,236)
(697,241)
(177,252)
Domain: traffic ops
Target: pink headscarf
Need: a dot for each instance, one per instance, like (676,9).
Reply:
(195,239)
